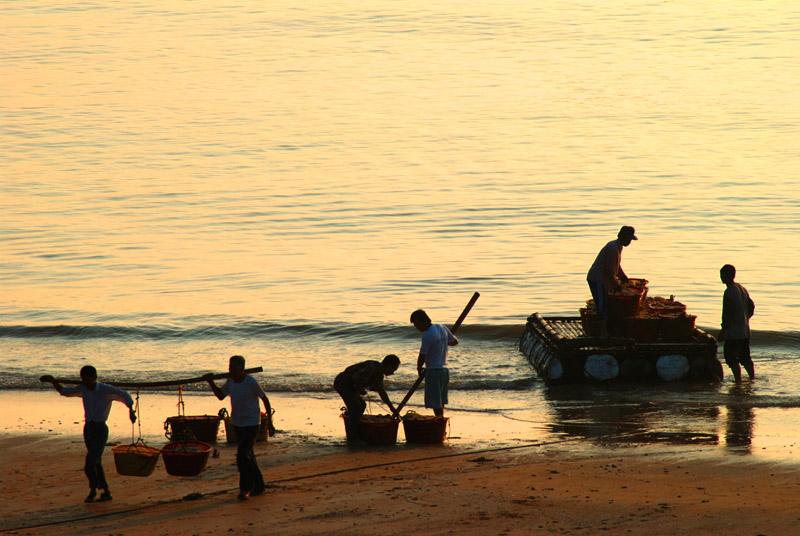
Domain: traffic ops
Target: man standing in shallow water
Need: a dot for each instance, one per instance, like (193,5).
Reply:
(737,308)
(97,399)
(432,360)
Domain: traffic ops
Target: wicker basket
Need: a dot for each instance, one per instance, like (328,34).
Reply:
(377,429)
(425,429)
(643,328)
(628,300)
(678,328)
(230,431)
(589,322)
(185,458)
(663,306)
(640,284)
(135,459)
(199,427)
(622,305)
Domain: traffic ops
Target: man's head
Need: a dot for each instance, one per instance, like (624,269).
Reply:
(236,365)
(89,376)
(727,273)
(626,234)
(421,320)
(390,364)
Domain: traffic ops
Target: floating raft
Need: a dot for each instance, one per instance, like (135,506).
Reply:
(561,352)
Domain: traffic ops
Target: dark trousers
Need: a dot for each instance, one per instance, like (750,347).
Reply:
(95,436)
(600,295)
(250,477)
(355,404)
(737,351)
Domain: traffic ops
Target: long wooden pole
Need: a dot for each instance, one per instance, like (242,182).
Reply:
(163,383)
(455,327)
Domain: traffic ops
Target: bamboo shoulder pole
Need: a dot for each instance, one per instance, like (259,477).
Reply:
(455,327)
(165,383)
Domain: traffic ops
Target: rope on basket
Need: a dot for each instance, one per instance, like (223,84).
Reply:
(136,410)
(181,405)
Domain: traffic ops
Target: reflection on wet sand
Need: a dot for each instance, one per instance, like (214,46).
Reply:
(613,417)
(740,419)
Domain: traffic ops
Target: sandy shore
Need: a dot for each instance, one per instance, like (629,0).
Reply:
(323,489)
(317,485)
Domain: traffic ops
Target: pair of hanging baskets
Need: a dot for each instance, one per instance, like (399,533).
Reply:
(181,458)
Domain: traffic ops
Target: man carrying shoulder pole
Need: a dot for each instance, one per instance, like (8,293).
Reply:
(97,399)
(246,393)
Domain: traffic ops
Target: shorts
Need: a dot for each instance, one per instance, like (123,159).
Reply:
(737,351)
(436,382)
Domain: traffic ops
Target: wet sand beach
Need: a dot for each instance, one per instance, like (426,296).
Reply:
(317,485)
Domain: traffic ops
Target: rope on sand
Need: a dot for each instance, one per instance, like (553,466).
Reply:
(273,483)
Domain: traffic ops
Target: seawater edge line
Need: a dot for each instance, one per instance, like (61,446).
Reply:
(196,496)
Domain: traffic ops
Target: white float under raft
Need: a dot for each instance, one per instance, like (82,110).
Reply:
(561,352)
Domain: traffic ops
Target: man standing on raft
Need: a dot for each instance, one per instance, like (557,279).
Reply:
(97,399)
(606,274)
(432,360)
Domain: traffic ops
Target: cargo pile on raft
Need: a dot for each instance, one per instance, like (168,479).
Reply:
(651,338)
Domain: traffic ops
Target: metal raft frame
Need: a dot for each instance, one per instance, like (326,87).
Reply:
(557,347)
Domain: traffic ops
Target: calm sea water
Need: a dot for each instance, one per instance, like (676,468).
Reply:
(182,183)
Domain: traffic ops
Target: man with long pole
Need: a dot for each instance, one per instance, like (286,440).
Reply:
(432,361)
(455,327)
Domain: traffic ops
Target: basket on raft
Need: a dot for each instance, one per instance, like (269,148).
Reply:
(230,431)
(185,458)
(626,301)
(136,459)
(377,429)
(424,428)
(199,427)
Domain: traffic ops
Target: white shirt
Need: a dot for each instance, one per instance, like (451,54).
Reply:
(245,400)
(434,346)
(97,401)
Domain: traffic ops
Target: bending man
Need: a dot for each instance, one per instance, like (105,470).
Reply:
(354,381)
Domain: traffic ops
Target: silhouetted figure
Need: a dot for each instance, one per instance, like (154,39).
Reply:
(737,308)
(97,399)
(354,381)
(245,393)
(432,360)
(606,274)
